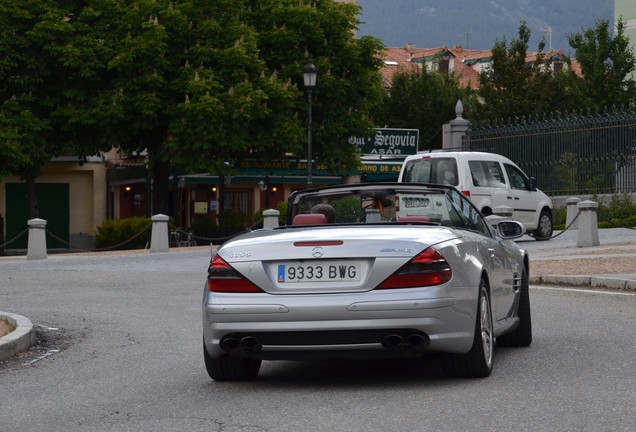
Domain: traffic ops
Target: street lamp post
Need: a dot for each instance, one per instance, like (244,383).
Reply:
(310,73)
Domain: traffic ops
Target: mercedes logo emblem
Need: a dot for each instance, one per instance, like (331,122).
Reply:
(317,252)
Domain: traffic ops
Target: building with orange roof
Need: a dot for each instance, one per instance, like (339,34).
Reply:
(464,64)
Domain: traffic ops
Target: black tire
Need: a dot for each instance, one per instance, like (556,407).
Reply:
(477,363)
(228,368)
(545,228)
(522,335)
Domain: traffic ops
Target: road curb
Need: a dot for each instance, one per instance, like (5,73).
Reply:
(18,340)
(587,281)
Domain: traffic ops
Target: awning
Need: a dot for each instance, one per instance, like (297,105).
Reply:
(295,172)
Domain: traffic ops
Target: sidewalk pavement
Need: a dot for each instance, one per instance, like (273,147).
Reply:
(610,265)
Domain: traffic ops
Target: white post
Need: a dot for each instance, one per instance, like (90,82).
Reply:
(270,218)
(36,248)
(572,211)
(588,228)
(159,237)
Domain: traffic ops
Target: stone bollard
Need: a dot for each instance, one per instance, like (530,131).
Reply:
(159,237)
(588,228)
(572,211)
(270,218)
(36,248)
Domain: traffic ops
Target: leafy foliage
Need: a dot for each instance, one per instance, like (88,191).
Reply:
(423,100)
(130,233)
(293,33)
(606,62)
(512,86)
(194,83)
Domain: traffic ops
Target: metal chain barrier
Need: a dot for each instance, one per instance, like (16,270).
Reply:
(14,238)
(223,239)
(104,249)
(567,227)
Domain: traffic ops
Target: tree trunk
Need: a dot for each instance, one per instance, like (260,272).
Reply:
(32,199)
(160,188)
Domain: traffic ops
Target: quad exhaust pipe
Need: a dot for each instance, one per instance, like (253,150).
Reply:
(242,346)
(414,343)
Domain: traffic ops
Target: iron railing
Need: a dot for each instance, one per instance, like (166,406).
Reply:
(572,153)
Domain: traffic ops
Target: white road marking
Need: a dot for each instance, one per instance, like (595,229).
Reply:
(582,290)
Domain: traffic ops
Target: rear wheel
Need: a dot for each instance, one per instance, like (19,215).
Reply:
(522,335)
(544,229)
(228,368)
(477,363)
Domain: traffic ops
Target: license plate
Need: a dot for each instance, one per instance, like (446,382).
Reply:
(410,202)
(319,272)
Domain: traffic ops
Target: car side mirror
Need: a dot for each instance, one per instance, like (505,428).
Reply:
(533,183)
(510,229)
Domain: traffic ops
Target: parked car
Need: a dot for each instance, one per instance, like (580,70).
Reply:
(347,277)
(489,180)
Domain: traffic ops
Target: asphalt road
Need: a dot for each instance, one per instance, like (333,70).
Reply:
(128,331)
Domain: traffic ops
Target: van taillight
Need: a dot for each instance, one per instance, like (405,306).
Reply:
(466,193)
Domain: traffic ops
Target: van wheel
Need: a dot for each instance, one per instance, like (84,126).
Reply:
(544,231)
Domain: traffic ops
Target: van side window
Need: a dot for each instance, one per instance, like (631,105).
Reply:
(517,179)
(480,179)
(495,174)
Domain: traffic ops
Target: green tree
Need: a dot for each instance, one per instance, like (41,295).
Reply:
(606,63)
(51,62)
(292,33)
(513,86)
(190,88)
(422,100)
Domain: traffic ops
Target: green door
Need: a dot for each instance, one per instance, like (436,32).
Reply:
(53,200)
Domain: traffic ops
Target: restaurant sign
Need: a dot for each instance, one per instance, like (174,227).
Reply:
(388,142)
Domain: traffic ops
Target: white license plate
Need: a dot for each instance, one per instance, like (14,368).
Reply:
(411,202)
(319,272)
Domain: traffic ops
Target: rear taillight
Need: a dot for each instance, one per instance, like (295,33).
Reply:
(426,269)
(223,278)
(466,193)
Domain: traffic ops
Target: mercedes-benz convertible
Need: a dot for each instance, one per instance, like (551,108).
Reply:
(370,270)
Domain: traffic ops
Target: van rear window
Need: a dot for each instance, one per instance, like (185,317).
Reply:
(431,170)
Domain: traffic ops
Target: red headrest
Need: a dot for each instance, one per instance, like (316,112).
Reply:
(310,219)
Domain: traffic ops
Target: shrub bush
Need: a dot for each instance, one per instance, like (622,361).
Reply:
(617,212)
(118,233)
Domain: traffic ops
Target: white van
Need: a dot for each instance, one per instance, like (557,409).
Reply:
(489,180)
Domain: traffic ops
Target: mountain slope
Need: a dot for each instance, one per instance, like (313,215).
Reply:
(477,24)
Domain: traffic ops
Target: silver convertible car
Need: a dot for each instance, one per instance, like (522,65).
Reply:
(371,270)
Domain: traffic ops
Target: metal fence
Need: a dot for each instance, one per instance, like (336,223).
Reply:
(575,153)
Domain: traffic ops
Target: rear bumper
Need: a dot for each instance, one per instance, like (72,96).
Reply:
(390,323)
